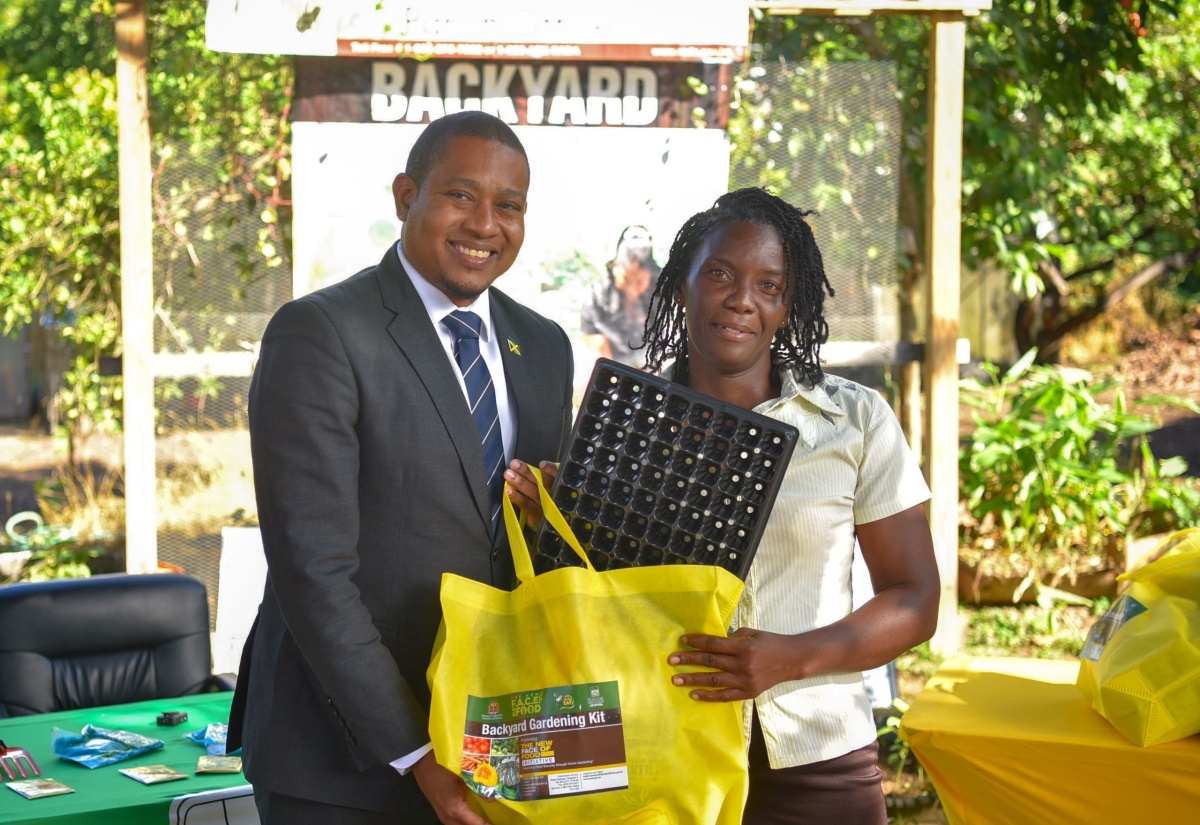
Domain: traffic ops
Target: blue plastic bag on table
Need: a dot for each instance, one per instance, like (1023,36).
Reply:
(95,747)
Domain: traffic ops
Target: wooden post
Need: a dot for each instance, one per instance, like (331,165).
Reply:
(909,373)
(943,241)
(137,287)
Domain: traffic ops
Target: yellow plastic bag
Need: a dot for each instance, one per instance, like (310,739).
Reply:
(1140,666)
(554,701)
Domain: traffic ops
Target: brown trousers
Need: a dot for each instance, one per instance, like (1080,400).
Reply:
(845,789)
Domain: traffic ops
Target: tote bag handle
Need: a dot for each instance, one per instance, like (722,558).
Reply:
(516,536)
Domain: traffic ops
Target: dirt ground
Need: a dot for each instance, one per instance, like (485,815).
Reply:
(1151,362)
(1162,363)
(29,455)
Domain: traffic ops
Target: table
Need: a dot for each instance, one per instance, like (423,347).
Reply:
(1013,741)
(102,795)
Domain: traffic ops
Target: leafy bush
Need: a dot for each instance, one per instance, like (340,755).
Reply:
(59,206)
(70,534)
(1051,631)
(52,551)
(1053,480)
(898,752)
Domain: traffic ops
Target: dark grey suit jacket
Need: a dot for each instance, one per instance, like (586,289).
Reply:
(368,472)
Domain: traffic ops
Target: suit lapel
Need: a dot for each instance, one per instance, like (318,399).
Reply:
(418,341)
(519,372)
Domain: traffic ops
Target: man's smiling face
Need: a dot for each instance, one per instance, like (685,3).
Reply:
(465,224)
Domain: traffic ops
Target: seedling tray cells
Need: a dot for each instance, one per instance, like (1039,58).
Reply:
(656,473)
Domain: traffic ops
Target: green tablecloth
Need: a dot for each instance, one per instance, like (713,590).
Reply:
(102,795)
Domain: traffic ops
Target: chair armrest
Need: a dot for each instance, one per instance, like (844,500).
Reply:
(222,682)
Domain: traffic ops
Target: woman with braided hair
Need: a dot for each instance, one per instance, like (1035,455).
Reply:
(738,313)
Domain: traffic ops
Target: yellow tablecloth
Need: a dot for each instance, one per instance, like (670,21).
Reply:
(1013,741)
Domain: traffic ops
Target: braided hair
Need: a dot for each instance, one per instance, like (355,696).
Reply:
(797,344)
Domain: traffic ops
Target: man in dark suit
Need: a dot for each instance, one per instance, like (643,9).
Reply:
(370,474)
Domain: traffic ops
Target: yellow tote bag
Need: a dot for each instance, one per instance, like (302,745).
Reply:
(1140,667)
(554,701)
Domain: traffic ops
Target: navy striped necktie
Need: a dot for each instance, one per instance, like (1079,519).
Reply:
(481,397)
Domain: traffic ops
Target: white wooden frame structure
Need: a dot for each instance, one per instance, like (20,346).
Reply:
(943,253)
(942,265)
(137,286)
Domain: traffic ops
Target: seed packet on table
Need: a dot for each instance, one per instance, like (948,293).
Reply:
(219,764)
(150,774)
(33,788)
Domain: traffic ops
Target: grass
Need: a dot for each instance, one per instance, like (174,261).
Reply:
(1034,631)
(85,498)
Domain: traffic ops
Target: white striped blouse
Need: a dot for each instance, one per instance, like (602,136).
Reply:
(851,465)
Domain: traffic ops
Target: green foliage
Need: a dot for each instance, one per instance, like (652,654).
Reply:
(573,268)
(59,240)
(917,664)
(1050,631)
(1052,475)
(54,550)
(1081,138)
(898,751)
(825,137)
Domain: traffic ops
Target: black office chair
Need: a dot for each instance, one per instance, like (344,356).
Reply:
(80,643)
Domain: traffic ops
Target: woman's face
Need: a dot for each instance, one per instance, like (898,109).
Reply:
(735,298)
(633,280)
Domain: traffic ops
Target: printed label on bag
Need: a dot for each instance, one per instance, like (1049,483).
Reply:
(1121,611)
(550,742)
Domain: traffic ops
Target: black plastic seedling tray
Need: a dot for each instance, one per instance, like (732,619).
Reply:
(657,473)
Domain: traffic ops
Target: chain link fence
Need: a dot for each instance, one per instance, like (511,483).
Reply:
(214,292)
(827,138)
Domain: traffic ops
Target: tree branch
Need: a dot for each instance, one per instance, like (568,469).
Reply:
(1108,264)
(1053,275)
(1050,340)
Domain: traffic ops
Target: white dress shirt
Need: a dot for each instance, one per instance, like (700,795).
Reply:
(439,305)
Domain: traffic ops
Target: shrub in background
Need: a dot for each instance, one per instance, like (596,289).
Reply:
(1053,481)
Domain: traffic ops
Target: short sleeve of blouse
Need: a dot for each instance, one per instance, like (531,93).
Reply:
(889,478)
